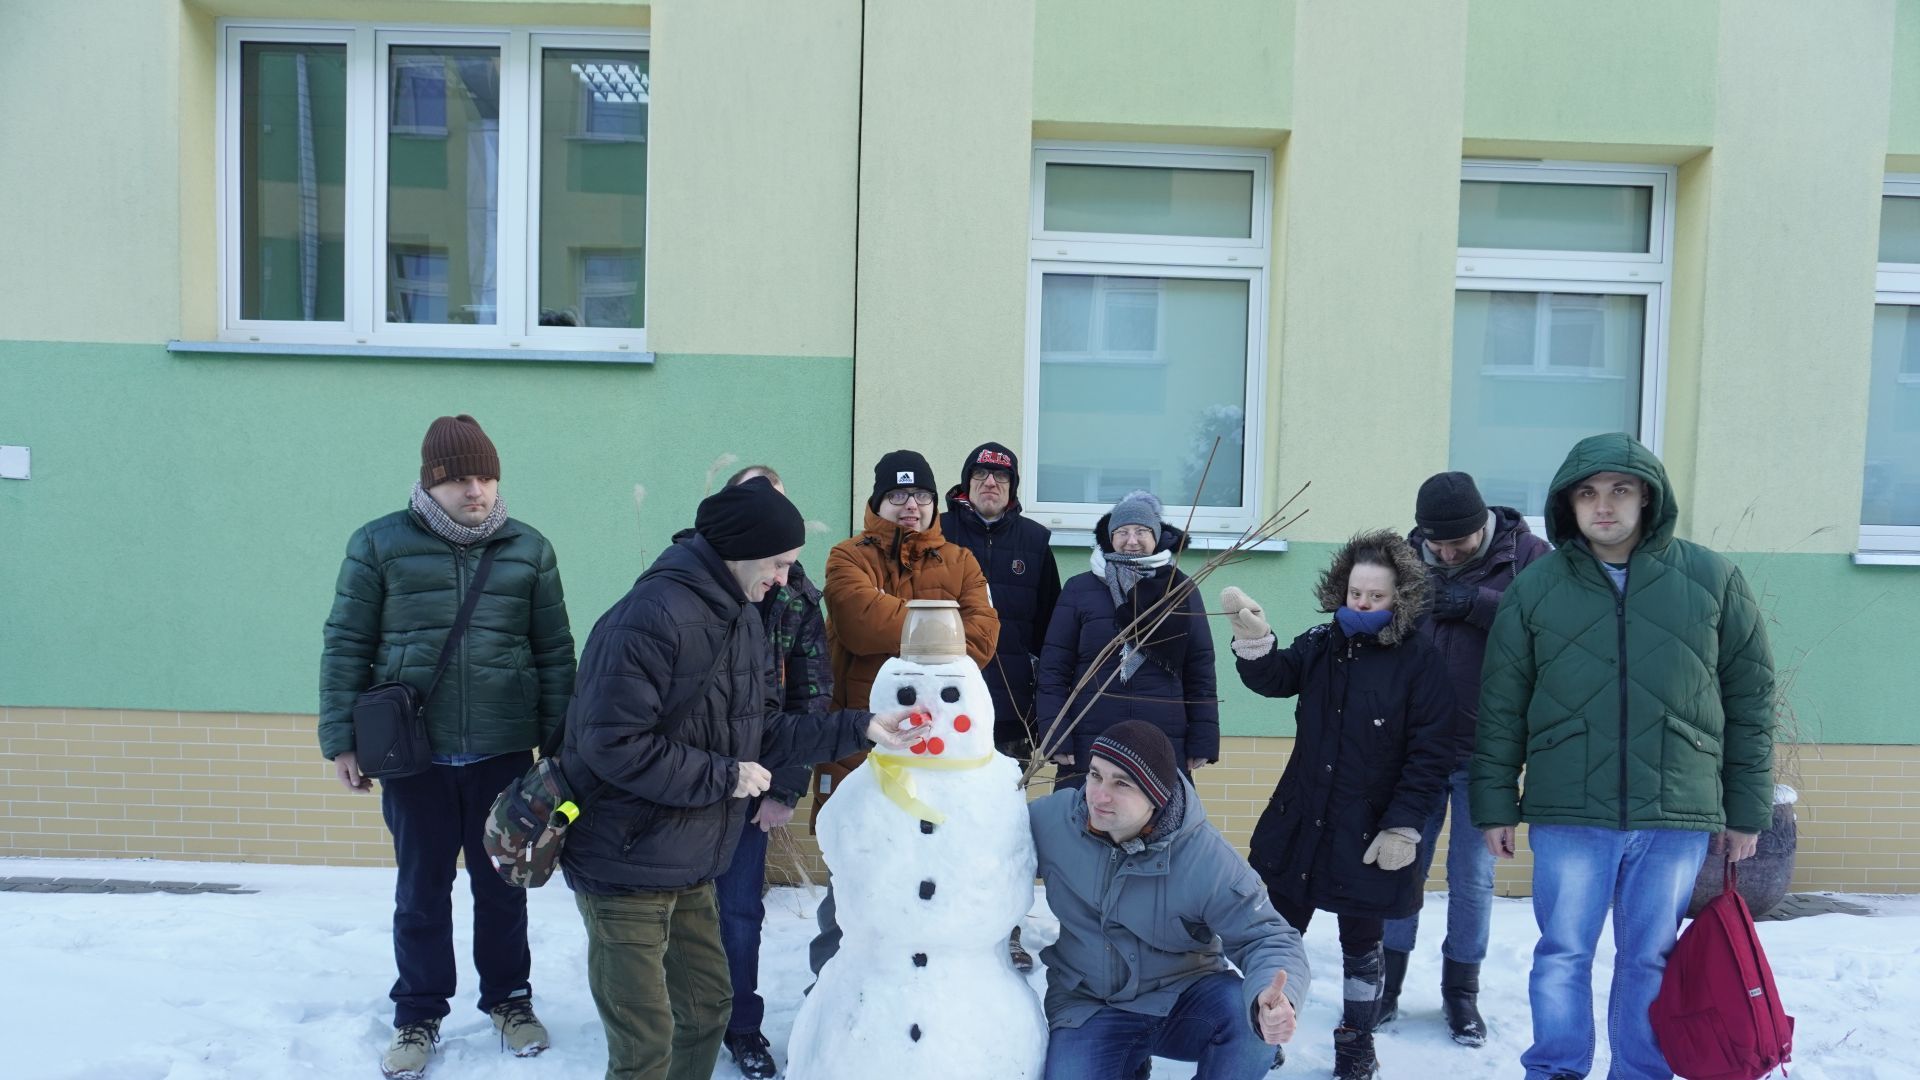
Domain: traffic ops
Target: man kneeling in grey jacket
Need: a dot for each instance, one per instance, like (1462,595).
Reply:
(1152,903)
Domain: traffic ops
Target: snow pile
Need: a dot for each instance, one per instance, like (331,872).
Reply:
(292,982)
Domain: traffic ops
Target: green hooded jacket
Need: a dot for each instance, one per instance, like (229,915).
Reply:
(1648,710)
(399,590)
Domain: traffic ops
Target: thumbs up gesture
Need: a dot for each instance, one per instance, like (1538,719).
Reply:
(1276,1012)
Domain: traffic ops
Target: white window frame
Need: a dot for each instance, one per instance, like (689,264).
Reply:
(1896,284)
(516,274)
(1648,273)
(1146,255)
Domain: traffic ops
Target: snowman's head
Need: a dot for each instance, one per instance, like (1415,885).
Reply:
(952,693)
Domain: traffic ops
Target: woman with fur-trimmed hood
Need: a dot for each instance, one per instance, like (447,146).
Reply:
(1372,750)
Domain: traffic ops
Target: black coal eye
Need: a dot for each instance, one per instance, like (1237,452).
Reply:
(950,695)
(907,696)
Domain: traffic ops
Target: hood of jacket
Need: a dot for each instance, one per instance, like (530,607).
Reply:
(1171,539)
(1410,594)
(692,562)
(903,544)
(1614,452)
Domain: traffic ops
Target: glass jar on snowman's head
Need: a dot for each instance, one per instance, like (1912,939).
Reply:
(933,675)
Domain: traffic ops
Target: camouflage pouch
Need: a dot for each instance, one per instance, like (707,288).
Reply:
(528,824)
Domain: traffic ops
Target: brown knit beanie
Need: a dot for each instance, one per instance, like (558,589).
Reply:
(455,446)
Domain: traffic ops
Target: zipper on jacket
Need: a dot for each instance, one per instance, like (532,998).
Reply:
(460,586)
(1620,618)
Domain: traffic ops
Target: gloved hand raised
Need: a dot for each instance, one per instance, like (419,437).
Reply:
(1248,619)
(1392,848)
(1454,599)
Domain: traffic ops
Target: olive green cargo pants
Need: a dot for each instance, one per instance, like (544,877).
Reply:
(659,978)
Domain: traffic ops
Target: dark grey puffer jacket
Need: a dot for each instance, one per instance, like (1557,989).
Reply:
(670,699)
(400,588)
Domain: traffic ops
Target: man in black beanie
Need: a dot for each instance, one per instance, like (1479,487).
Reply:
(670,718)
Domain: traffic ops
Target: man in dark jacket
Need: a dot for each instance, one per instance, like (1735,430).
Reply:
(504,692)
(1628,673)
(1015,552)
(670,718)
(1472,554)
(799,680)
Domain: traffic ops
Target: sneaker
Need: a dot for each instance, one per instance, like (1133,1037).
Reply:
(520,1030)
(407,1055)
(751,1056)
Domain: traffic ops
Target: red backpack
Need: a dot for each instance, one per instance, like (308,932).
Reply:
(1718,1016)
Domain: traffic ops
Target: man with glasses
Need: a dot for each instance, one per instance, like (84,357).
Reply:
(900,555)
(983,514)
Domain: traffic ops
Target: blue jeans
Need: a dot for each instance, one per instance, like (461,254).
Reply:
(738,892)
(1469,883)
(1210,1024)
(1579,872)
(434,817)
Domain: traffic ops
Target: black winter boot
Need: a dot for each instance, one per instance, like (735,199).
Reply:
(1396,971)
(1460,999)
(1353,1055)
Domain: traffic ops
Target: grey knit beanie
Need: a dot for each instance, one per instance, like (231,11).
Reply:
(1138,508)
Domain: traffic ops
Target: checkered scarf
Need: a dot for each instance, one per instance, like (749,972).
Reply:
(450,530)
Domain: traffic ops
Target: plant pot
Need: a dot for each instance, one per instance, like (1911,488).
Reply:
(1763,879)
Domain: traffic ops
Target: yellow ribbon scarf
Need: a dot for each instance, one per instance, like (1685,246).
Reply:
(897,783)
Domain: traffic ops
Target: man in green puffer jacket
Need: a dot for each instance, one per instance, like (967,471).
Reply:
(1628,673)
(504,692)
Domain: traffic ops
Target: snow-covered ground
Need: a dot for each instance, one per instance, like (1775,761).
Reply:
(292,982)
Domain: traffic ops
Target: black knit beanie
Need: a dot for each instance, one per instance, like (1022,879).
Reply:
(750,520)
(1449,507)
(992,455)
(1145,754)
(900,469)
(454,447)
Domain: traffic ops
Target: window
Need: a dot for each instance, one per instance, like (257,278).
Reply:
(1890,492)
(438,187)
(1559,317)
(1147,315)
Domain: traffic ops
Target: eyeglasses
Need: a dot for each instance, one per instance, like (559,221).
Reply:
(998,476)
(899,497)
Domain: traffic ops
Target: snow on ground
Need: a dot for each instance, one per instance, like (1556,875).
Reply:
(292,981)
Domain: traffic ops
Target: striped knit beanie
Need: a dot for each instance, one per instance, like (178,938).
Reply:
(1146,755)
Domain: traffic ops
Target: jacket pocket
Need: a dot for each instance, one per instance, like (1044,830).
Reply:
(1556,775)
(1690,761)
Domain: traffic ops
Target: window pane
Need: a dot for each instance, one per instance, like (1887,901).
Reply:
(1137,377)
(593,187)
(1533,373)
(293,163)
(1155,202)
(1892,488)
(1899,229)
(443,184)
(1555,217)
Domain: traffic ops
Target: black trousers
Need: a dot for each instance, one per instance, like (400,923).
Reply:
(1357,934)
(434,817)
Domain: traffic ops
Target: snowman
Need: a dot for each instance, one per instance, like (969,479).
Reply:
(933,863)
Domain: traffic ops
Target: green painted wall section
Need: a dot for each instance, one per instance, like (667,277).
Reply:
(1148,63)
(178,543)
(1831,625)
(1573,71)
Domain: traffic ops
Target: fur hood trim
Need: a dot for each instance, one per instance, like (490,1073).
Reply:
(1384,547)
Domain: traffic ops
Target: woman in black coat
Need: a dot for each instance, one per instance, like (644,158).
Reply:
(1164,677)
(1372,749)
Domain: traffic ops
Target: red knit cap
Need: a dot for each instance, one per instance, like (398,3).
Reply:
(454,447)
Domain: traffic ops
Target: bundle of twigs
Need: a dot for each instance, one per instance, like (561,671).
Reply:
(1147,624)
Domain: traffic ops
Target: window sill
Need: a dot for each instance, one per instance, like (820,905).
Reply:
(1083,538)
(1886,558)
(408,352)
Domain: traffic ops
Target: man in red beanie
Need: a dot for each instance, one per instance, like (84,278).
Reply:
(503,691)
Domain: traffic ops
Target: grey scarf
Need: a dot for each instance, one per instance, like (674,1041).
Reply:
(1122,573)
(450,530)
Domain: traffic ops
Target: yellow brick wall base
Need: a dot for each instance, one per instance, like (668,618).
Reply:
(246,787)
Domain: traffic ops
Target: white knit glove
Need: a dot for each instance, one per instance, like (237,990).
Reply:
(1392,848)
(1248,618)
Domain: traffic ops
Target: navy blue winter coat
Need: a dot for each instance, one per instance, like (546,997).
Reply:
(1016,554)
(1180,696)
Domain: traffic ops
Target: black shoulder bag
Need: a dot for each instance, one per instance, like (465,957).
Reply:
(390,718)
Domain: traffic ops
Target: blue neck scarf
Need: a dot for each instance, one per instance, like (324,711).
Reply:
(1356,623)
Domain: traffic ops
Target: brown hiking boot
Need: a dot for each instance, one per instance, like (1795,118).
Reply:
(520,1030)
(412,1047)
